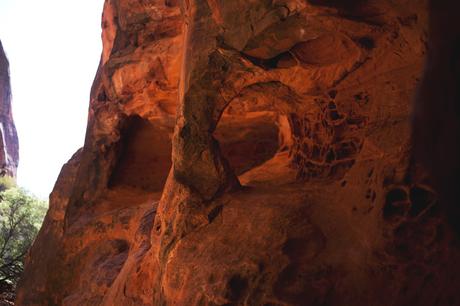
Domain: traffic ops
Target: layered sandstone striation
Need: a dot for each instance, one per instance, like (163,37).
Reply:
(9,144)
(249,153)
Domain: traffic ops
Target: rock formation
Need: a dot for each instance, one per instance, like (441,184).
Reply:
(437,114)
(249,153)
(9,148)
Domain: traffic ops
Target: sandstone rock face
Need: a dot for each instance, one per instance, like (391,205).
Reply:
(249,153)
(9,144)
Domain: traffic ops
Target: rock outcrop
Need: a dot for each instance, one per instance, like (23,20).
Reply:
(9,148)
(249,153)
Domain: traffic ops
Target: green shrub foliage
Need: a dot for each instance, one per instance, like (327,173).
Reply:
(21,216)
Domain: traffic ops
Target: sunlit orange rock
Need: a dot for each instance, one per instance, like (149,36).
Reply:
(9,144)
(249,153)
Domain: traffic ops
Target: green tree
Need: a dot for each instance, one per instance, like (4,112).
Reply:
(7,182)
(21,216)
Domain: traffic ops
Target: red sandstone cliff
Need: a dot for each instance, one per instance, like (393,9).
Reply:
(249,153)
(9,148)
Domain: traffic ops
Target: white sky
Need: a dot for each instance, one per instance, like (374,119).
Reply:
(54,48)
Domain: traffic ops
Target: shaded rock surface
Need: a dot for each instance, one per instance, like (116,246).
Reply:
(9,149)
(437,113)
(249,153)
(9,144)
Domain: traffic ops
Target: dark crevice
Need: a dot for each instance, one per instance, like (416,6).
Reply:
(283,60)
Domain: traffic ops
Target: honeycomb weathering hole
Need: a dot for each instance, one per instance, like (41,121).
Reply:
(146,157)
(248,141)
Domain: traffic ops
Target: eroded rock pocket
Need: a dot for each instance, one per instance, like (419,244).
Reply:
(145,159)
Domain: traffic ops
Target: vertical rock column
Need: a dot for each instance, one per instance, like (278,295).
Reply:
(9,148)
(197,160)
(199,173)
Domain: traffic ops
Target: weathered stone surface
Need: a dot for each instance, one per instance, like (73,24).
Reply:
(9,144)
(249,153)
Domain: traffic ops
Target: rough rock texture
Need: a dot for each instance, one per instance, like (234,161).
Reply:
(9,148)
(249,153)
